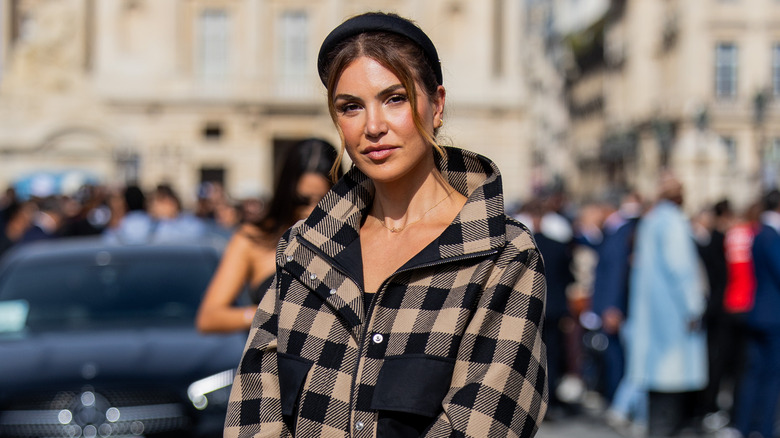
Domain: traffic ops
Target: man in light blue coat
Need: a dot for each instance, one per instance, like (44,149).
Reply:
(667,351)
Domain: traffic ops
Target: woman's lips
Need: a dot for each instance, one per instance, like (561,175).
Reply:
(380,153)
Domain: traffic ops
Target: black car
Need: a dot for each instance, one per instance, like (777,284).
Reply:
(99,341)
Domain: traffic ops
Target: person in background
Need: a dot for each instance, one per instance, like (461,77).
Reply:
(47,222)
(252,209)
(580,384)
(408,303)
(173,224)
(610,302)
(130,223)
(741,278)
(215,208)
(248,259)
(757,398)
(15,220)
(710,243)
(227,216)
(553,236)
(7,199)
(737,302)
(210,194)
(88,210)
(117,208)
(667,354)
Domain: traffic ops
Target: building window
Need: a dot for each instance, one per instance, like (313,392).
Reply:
(498,38)
(726,70)
(16,21)
(214,175)
(2,41)
(212,131)
(776,70)
(771,164)
(293,40)
(17,30)
(214,44)
(731,151)
(773,154)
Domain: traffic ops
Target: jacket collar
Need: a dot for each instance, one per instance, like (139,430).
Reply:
(480,226)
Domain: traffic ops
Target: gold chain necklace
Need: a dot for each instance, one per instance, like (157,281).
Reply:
(399,229)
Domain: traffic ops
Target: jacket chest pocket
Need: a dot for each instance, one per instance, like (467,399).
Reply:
(409,393)
(292,374)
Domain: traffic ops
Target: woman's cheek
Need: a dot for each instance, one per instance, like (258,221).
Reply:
(352,134)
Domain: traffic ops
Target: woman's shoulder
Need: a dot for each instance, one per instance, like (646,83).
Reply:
(252,235)
(519,252)
(518,235)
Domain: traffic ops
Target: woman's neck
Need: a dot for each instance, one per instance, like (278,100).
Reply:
(398,203)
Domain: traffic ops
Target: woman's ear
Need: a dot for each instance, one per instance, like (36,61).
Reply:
(438,102)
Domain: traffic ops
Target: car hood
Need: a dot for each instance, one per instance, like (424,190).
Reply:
(131,356)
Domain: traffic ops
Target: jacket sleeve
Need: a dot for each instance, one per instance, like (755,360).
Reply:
(613,283)
(254,409)
(499,384)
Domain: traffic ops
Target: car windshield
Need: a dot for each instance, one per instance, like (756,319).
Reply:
(150,289)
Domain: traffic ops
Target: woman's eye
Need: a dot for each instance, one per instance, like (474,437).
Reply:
(397,98)
(348,107)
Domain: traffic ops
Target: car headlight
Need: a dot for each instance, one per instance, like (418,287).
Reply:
(214,386)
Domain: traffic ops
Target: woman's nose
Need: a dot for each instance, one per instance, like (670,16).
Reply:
(375,123)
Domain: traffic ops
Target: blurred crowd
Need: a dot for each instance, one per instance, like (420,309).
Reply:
(124,215)
(657,320)
(664,323)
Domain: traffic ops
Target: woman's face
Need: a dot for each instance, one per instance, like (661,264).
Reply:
(312,187)
(374,114)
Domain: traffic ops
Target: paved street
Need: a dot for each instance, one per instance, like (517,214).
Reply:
(589,425)
(579,426)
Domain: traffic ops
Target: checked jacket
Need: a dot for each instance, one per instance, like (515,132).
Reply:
(449,346)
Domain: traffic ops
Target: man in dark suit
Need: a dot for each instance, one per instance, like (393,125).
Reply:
(553,236)
(758,397)
(610,286)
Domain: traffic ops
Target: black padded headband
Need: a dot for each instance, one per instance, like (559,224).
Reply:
(377,22)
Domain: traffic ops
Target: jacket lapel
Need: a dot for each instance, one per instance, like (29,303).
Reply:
(481,224)
(335,223)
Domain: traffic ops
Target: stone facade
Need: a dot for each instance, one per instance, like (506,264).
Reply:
(685,85)
(185,91)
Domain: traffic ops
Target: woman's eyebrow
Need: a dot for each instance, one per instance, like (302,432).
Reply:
(389,90)
(345,96)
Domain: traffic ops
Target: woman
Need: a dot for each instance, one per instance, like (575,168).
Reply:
(407,303)
(249,255)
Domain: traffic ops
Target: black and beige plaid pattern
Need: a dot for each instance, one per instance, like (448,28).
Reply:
(461,320)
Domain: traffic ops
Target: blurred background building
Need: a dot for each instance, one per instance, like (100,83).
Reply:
(593,97)
(682,84)
(187,91)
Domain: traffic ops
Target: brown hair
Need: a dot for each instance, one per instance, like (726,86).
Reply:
(311,155)
(396,53)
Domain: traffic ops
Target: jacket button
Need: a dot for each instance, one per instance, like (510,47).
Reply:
(359,425)
(289,258)
(378,338)
(313,276)
(333,291)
